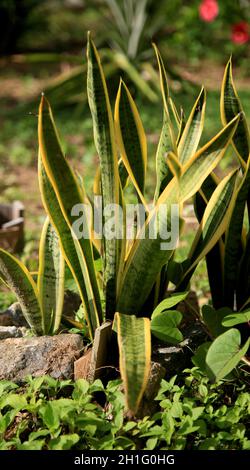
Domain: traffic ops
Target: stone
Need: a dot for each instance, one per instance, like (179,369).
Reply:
(12,332)
(42,355)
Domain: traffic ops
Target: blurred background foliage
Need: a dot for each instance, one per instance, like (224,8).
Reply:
(42,48)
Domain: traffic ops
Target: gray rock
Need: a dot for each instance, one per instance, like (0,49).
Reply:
(12,332)
(36,356)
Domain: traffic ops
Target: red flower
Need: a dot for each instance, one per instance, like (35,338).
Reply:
(208,10)
(240,33)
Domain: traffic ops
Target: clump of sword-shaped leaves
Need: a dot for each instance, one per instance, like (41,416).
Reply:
(133,271)
(228,262)
(41,301)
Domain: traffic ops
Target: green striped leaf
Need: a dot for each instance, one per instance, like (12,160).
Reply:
(243,278)
(230,107)
(104,136)
(233,244)
(215,257)
(68,194)
(19,280)
(53,209)
(163,174)
(165,97)
(191,134)
(131,138)
(50,281)
(134,343)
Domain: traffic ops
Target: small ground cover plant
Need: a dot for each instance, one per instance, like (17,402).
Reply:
(192,414)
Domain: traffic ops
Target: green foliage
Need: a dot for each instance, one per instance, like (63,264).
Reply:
(224,354)
(227,263)
(219,358)
(41,302)
(134,269)
(191,414)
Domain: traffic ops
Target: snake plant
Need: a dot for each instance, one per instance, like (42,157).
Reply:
(136,272)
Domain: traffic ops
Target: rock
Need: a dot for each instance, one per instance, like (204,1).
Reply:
(12,332)
(36,356)
(13,316)
(176,358)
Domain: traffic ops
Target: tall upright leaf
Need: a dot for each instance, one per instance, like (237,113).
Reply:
(50,278)
(134,341)
(233,243)
(69,195)
(230,107)
(104,136)
(131,138)
(66,241)
(163,174)
(16,276)
(191,134)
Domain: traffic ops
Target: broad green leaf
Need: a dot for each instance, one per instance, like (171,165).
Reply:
(230,107)
(164,326)
(69,195)
(104,136)
(224,354)
(134,343)
(17,277)
(233,243)
(199,358)
(214,319)
(50,281)
(236,319)
(131,138)
(213,224)
(192,132)
(174,299)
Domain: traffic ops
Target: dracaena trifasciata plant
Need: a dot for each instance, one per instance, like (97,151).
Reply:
(41,301)
(228,262)
(135,273)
